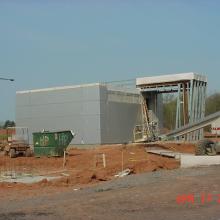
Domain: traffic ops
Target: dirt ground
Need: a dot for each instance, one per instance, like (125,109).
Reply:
(85,166)
(87,190)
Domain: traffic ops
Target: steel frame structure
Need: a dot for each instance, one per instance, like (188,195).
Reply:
(190,102)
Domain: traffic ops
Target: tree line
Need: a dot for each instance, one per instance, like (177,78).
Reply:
(212,106)
(7,124)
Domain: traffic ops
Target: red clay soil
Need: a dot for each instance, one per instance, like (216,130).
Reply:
(82,167)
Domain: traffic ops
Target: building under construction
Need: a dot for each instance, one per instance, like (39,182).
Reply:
(190,89)
(98,113)
(107,113)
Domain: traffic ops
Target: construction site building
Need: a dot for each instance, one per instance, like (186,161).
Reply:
(190,89)
(109,113)
(97,113)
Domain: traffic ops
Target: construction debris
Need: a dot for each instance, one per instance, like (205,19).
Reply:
(124,173)
(165,153)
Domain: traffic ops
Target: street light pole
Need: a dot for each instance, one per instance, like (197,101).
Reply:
(1,78)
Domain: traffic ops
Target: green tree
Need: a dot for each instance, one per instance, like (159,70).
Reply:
(213,103)
(169,112)
(212,106)
(9,123)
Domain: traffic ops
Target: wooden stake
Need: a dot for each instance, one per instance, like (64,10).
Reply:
(122,160)
(64,159)
(104,161)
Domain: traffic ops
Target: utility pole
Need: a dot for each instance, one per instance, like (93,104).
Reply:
(7,79)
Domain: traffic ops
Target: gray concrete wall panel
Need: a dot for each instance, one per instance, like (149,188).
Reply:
(120,113)
(77,109)
(118,122)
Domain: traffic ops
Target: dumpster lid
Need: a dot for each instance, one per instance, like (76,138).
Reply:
(55,131)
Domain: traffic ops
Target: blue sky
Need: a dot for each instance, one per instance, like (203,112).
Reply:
(46,43)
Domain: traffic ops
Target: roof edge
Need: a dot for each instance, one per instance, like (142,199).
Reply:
(58,88)
(160,79)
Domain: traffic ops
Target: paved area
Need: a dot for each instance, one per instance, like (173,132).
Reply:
(195,161)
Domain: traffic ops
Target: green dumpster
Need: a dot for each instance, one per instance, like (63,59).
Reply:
(51,143)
